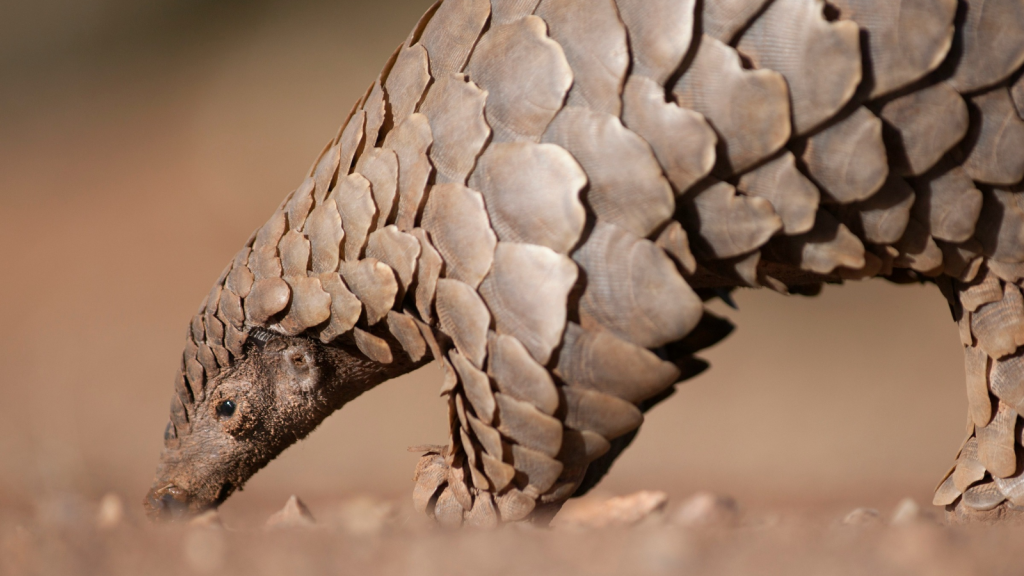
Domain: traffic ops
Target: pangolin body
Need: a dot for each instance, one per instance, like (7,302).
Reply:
(541,194)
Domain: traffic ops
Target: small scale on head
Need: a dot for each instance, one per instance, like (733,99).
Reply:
(267,400)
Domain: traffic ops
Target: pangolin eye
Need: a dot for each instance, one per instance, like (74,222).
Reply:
(226,409)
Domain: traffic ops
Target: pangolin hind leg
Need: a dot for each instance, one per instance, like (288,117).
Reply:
(987,483)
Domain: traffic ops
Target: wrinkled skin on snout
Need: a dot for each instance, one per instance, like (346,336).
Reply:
(250,413)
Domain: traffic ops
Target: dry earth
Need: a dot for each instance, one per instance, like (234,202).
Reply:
(140,143)
(364,536)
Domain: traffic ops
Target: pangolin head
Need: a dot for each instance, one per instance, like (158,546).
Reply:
(244,416)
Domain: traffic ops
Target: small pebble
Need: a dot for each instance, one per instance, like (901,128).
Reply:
(366,516)
(111,512)
(862,517)
(205,550)
(707,509)
(908,512)
(618,511)
(208,519)
(295,514)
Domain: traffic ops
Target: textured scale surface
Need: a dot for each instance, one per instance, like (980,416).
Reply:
(541,194)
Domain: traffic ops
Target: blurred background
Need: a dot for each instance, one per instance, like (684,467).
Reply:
(141,143)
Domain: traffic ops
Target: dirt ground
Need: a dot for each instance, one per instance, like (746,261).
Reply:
(141,143)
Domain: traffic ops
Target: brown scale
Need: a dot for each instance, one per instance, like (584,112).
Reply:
(526,291)
(685,161)
(451,33)
(920,127)
(827,246)
(410,141)
(507,11)
(847,158)
(968,468)
(977,368)
(525,75)
(908,38)
(1007,271)
(475,385)
(349,140)
(919,251)
(962,261)
(597,360)
(323,226)
(489,438)
(637,198)
(603,414)
(723,19)
(406,82)
(991,44)
(749,109)
(428,270)
(820,60)
(727,224)
(999,326)
(358,213)
(518,375)
(346,308)
(882,218)
(1013,486)
(615,261)
(462,315)
(375,107)
(454,107)
(397,250)
(660,33)
(467,249)
(380,167)
(792,196)
(947,202)
(325,171)
(994,142)
(1000,226)
(674,241)
(537,471)
(1004,381)
(982,497)
(527,425)
(375,348)
(593,40)
(995,442)
(532,193)
(373,283)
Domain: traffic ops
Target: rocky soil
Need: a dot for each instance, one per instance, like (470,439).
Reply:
(367,536)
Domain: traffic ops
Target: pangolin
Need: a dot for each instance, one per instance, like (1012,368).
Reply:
(540,195)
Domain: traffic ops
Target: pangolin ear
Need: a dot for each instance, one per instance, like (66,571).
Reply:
(295,363)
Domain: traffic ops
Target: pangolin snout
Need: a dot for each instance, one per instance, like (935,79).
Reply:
(167,502)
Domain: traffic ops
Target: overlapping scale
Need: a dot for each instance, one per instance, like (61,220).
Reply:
(526,78)
(749,109)
(820,60)
(633,288)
